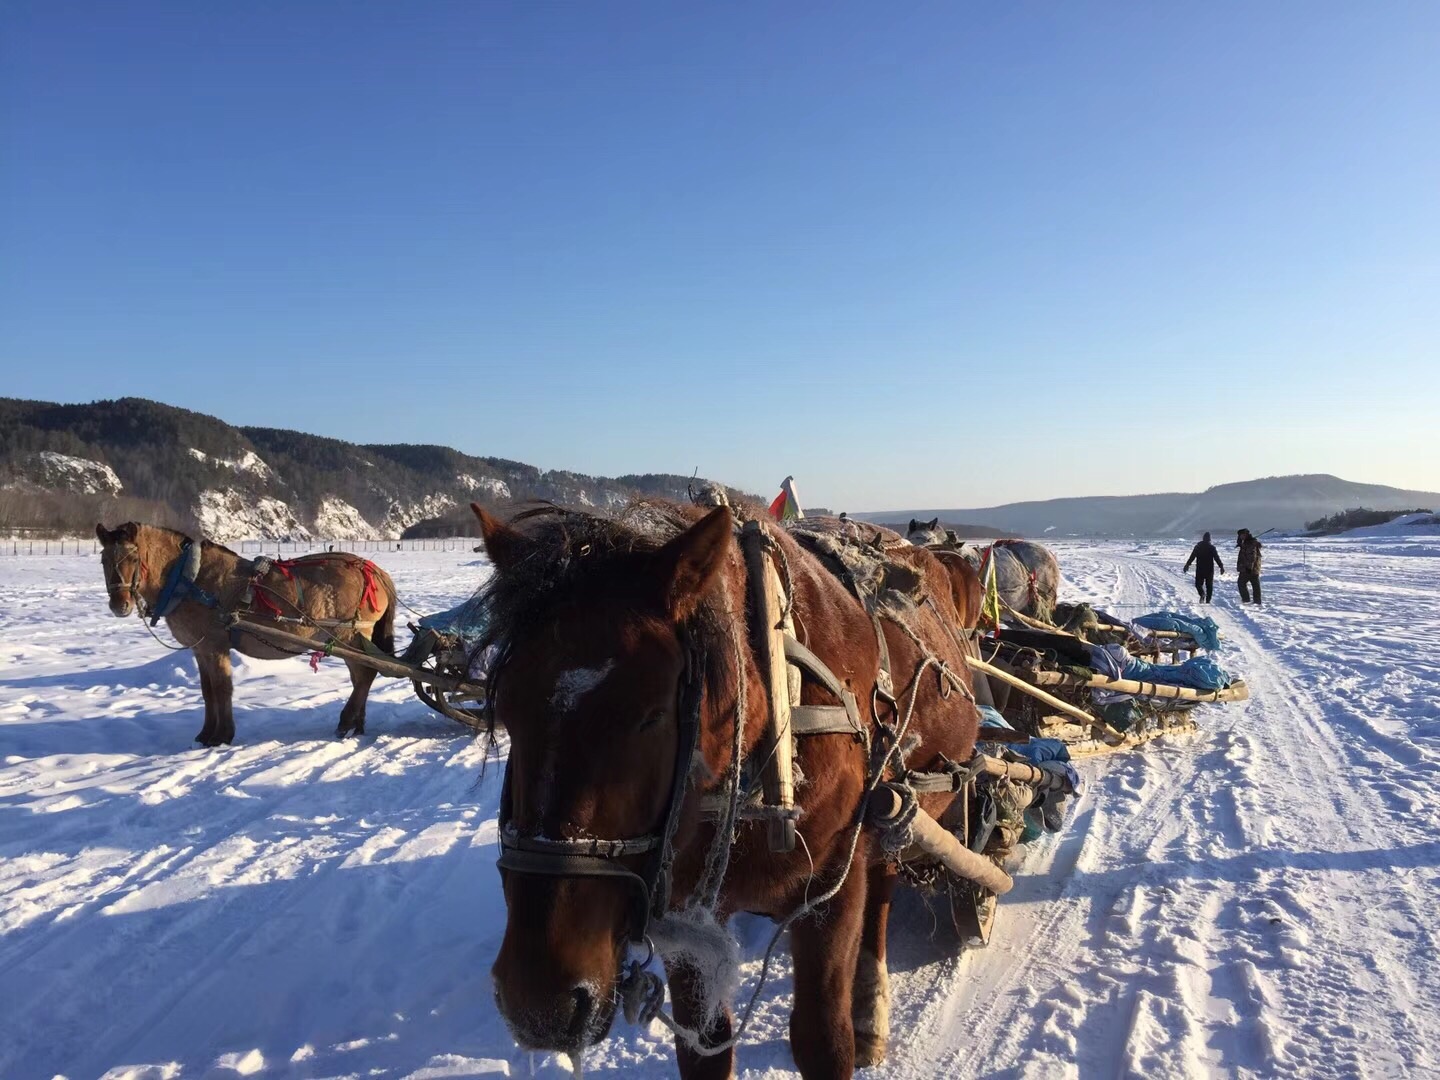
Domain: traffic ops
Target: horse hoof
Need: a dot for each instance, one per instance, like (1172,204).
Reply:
(869,1050)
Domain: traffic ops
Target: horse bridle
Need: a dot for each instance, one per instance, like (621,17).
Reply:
(595,858)
(125,550)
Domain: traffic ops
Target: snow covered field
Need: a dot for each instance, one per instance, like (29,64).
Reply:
(1261,898)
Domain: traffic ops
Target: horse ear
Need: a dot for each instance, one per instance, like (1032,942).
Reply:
(913,525)
(687,565)
(129,532)
(934,523)
(505,546)
(101,533)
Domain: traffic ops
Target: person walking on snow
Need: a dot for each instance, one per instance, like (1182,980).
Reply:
(1247,565)
(1206,559)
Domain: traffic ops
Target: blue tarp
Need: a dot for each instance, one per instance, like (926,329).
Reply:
(1038,750)
(990,717)
(1050,754)
(1199,672)
(465,621)
(1202,628)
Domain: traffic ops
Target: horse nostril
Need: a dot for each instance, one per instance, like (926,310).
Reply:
(584,1009)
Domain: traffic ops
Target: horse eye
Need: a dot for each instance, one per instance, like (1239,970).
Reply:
(653,717)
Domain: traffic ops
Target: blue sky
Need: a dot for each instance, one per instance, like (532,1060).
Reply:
(916,255)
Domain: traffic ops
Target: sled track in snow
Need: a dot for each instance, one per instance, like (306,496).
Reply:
(1214,903)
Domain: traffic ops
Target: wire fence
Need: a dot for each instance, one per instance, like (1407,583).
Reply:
(16,546)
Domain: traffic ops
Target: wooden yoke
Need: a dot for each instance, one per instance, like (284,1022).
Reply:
(778,746)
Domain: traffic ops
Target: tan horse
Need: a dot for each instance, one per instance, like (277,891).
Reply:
(193,584)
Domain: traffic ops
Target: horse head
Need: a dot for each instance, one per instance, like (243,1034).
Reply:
(124,567)
(593,673)
(922,533)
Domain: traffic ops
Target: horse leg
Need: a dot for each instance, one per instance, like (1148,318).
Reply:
(352,716)
(871,1008)
(224,689)
(207,692)
(826,946)
(685,998)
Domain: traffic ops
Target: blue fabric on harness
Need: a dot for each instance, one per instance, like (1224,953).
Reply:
(180,584)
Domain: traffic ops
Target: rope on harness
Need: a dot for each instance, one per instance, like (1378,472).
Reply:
(881,762)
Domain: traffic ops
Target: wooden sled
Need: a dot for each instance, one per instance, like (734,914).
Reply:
(443,687)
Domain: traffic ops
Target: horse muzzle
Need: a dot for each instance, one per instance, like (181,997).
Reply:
(558,1022)
(121,606)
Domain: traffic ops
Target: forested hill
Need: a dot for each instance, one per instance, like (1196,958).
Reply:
(65,466)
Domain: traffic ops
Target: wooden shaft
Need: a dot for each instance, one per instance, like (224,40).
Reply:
(1049,699)
(396,669)
(1021,772)
(778,777)
(1237,691)
(932,838)
(1035,624)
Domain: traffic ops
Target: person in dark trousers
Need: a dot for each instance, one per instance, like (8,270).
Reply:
(1247,565)
(1206,560)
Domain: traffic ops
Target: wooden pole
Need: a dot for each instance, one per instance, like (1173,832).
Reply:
(396,669)
(778,778)
(935,840)
(1021,772)
(1036,624)
(1236,691)
(1049,699)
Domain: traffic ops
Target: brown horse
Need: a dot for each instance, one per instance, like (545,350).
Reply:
(610,635)
(193,584)
(967,592)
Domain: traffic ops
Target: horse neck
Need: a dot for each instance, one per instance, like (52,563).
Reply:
(723,695)
(160,548)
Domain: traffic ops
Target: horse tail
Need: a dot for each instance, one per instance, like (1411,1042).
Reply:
(383,635)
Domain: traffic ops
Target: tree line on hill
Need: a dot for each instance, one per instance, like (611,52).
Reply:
(166,456)
(1358,518)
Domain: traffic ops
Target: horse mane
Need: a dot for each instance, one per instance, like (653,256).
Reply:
(571,550)
(167,530)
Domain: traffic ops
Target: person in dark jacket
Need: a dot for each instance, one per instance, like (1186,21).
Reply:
(1247,565)
(1206,559)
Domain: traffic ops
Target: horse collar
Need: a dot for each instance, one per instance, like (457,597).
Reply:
(180,583)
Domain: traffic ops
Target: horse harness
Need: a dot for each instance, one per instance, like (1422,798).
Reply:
(527,853)
(181,585)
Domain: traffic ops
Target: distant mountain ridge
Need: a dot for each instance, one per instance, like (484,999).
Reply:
(60,465)
(1275,502)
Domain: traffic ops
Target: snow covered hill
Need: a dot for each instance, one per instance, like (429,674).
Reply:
(1257,899)
(185,468)
(1276,502)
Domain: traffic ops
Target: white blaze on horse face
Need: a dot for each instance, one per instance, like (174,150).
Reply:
(574,684)
(570,687)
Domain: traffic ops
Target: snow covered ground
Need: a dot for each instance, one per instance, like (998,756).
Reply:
(1261,898)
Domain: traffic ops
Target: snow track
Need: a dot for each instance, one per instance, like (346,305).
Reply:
(1258,898)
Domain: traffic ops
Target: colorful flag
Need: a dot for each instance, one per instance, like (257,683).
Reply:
(786,506)
(990,606)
